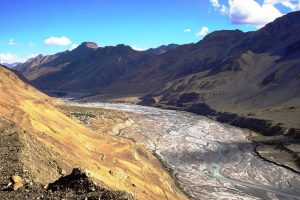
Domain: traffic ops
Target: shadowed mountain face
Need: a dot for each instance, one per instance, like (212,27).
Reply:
(227,69)
(88,67)
(85,67)
(162,49)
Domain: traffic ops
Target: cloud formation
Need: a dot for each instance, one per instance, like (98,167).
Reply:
(294,5)
(187,30)
(223,10)
(253,13)
(250,12)
(60,41)
(13,58)
(215,3)
(203,31)
(219,7)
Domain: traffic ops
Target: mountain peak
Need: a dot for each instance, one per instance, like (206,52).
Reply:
(162,49)
(91,45)
(223,34)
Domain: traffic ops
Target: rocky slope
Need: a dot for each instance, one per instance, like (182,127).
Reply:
(41,144)
(162,49)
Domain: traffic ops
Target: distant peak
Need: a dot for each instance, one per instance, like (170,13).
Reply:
(91,45)
(162,49)
(123,46)
(223,34)
(40,56)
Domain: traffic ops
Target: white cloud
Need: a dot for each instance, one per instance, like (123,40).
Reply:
(223,10)
(250,12)
(203,31)
(187,30)
(291,4)
(13,58)
(73,46)
(138,48)
(10,58)
(215,3)
(219,7)
(11,42)
(61,41)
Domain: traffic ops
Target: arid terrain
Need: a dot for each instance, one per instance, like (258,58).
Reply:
(209,160)
(44,147)
(246,79)
(150,100)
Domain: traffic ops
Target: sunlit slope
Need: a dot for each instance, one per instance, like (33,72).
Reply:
(118,163)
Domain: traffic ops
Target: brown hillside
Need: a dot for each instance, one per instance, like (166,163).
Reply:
(52,141)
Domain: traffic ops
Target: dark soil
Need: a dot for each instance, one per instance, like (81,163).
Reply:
(77,184)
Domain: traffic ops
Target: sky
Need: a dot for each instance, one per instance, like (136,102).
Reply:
(32,27)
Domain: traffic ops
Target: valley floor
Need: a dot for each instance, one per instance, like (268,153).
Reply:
(210,160)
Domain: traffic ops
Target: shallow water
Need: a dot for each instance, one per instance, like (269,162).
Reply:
(210,160)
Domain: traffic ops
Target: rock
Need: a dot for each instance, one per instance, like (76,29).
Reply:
(61,171)
(17,186)
(16,182)
(102,156)
(16,179)
(93,189)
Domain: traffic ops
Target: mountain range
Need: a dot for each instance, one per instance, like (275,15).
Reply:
(228,70)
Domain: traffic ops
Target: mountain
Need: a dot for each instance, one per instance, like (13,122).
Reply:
(87,67)
(41,145)
(229,70)
(162,49)
(241,70)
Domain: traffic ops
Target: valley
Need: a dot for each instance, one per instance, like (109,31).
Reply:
(208,159)
(118,100)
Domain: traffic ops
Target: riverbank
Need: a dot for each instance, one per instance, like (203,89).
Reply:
(276,131)
(191,145)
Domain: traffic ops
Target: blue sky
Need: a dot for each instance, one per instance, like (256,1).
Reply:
(31,27)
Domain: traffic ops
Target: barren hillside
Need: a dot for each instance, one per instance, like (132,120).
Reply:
(49,143)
